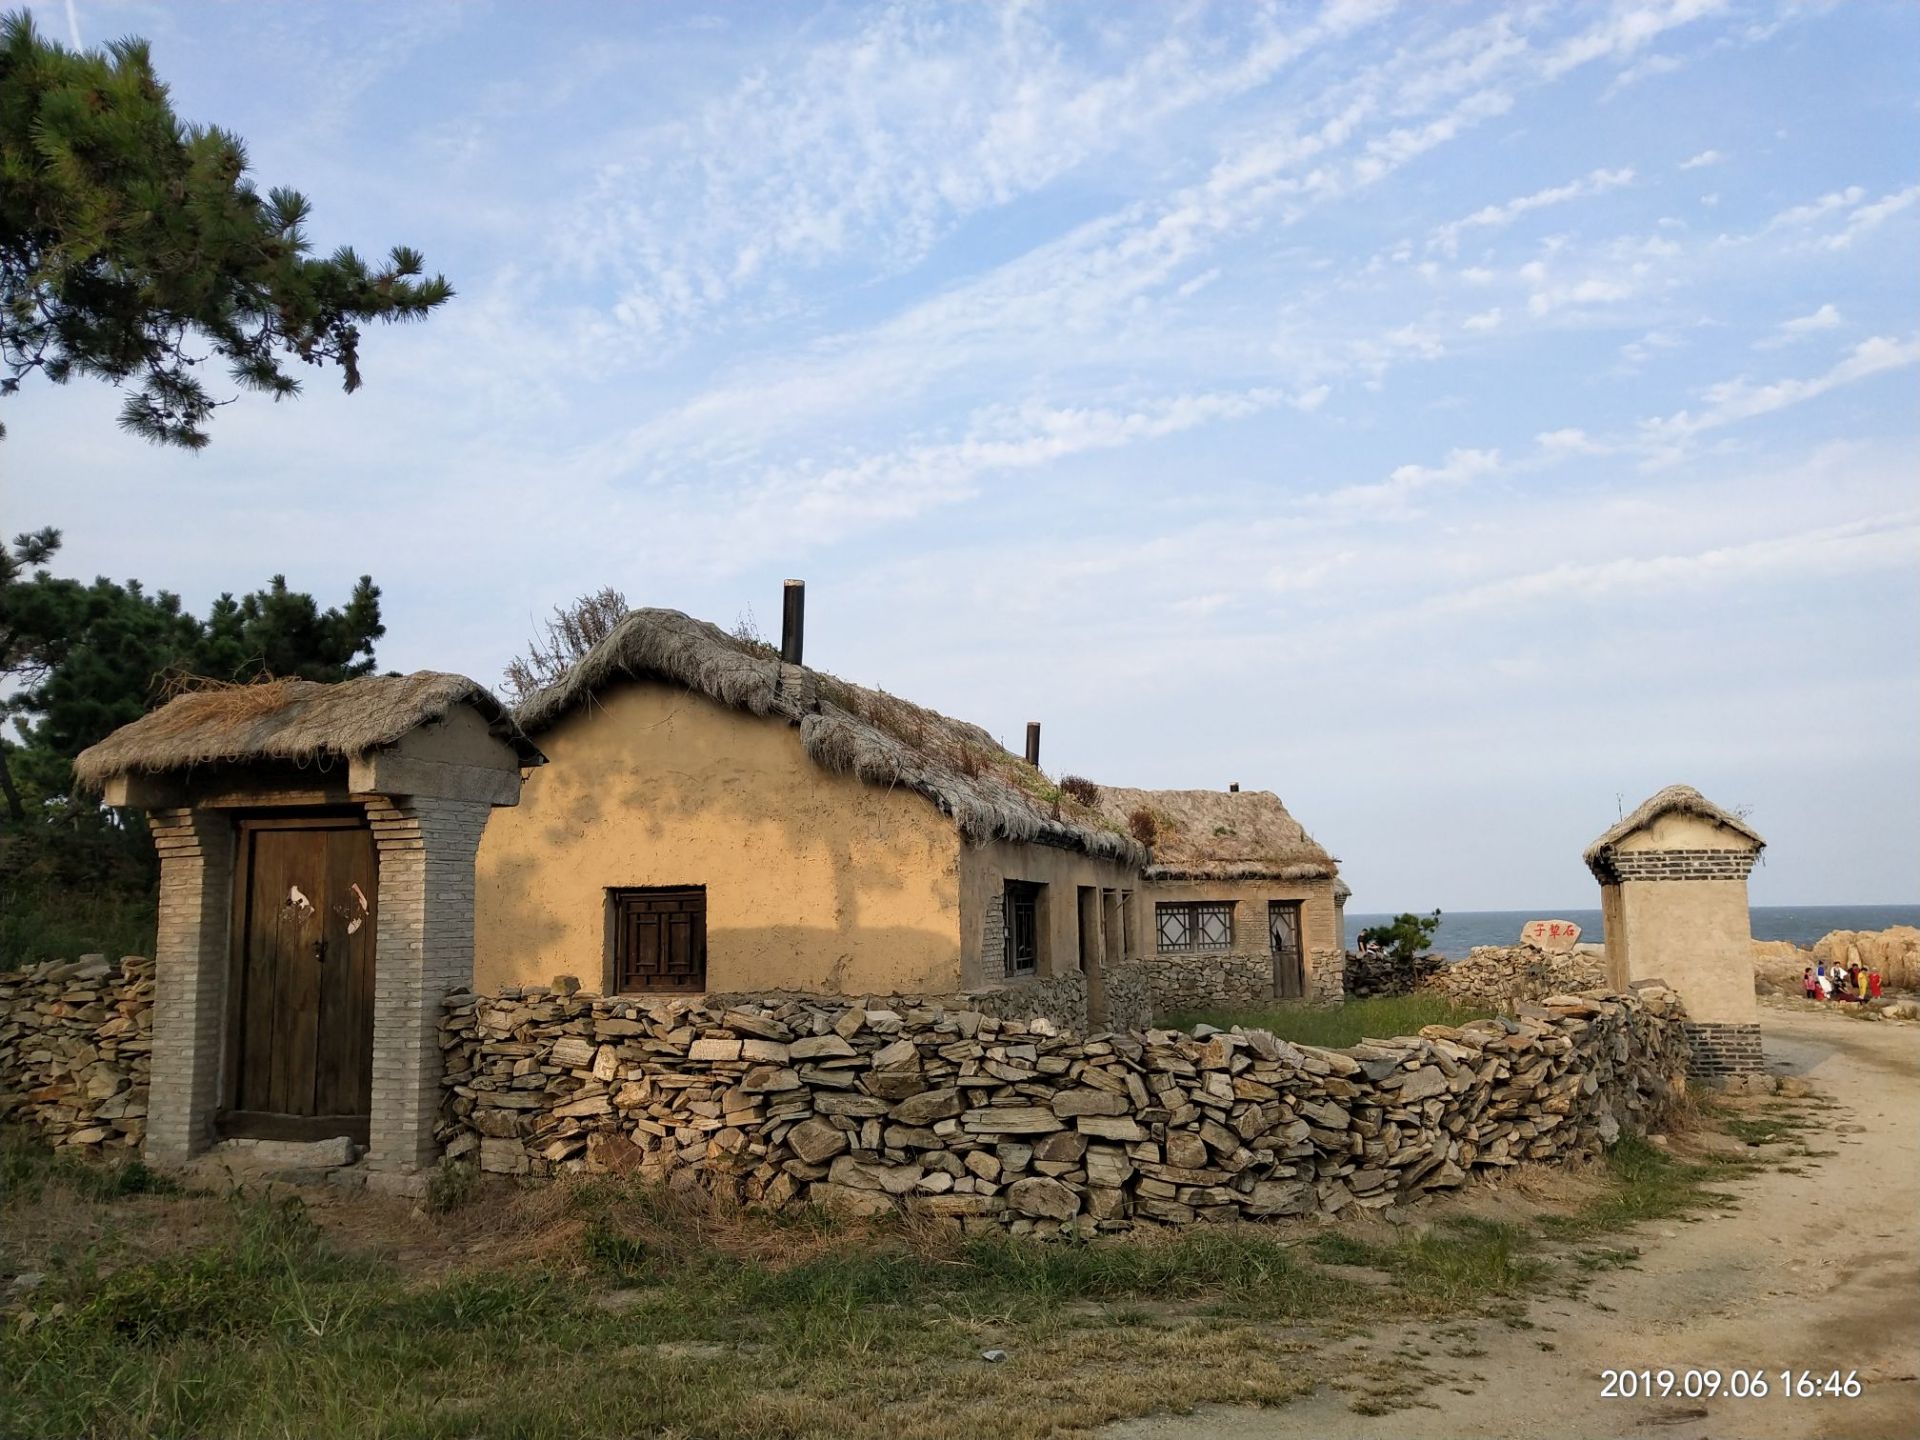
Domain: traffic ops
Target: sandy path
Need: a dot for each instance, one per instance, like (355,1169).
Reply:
(1736,1290)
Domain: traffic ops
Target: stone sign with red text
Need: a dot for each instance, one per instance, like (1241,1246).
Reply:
(1561,935)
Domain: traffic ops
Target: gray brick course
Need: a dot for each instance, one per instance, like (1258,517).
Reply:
(425,951)
(190,975)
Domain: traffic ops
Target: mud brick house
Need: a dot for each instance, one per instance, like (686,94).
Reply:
(1239,902)
(716,819)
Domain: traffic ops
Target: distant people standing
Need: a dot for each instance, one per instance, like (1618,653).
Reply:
(1809,987)
(1826,983)
(1873,984)
(1857,977)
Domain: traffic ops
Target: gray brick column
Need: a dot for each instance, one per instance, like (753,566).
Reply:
(190,979)
(423,950)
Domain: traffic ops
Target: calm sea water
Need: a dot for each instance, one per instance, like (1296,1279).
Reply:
(1461,930)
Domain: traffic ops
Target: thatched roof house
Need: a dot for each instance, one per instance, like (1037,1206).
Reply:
(714,817)
(292,722)
(1242,903)
(1219,835)
(846,729)
(1674,800)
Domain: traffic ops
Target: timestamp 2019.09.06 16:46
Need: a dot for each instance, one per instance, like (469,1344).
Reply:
(1729,1384)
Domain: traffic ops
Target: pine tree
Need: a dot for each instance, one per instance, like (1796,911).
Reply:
(133,244)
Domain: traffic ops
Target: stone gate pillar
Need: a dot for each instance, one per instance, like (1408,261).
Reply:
(425,949)
(189,980)
(1673,896)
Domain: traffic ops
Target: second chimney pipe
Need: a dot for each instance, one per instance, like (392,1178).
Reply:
(1033,743)
(793,621)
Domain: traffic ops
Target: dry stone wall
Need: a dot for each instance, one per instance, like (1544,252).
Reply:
(1384,973)
(1194,982)
(988,1121)
(1497,976)
(1060,999)
(1182,983)
(76,1044)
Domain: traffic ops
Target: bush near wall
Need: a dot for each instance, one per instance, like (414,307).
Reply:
(956,1114)
(76,1042)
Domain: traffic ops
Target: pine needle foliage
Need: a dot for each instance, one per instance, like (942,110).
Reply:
(134,247)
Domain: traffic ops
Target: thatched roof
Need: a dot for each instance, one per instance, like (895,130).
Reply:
(1681,799)
(1221,835)
(298,721)
(847,729)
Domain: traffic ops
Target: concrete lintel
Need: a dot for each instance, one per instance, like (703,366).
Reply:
(385,772)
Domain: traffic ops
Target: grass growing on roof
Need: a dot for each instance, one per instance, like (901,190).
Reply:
(1336,1025)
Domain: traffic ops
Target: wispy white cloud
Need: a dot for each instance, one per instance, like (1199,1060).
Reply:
(1703,159)
(1391,496)
(1627,30)
(1813,209)
(1597,182)
(1872,216)
(1827,317)
(1740,399)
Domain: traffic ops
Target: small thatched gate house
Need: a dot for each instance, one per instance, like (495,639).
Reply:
(716,820)
(1239,902)
(316,879)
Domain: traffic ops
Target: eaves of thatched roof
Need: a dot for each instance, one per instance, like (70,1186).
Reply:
(1675,799)
(301,722)
(1221,835)
(848,729)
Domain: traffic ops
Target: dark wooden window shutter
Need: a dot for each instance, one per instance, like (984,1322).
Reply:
(659,940)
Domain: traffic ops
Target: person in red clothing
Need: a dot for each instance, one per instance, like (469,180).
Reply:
(1873,983)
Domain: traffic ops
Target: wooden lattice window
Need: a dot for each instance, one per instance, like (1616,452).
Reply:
(1193,925)
(659,939)
(1022,902)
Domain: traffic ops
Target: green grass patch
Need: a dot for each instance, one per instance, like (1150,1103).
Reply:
(27,1168)
(1337,1025)
(1647,1184)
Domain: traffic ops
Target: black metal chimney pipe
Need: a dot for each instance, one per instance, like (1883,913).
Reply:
(1234,788)
(793,621)
(1033,743)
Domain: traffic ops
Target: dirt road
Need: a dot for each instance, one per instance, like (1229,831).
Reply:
(1747,1289)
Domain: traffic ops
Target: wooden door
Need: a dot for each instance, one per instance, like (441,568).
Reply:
(1283,937)
(300,1057)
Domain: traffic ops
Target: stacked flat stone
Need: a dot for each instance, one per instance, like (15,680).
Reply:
(76,1045)
(963,1116)
(1372,976)
(1499,975)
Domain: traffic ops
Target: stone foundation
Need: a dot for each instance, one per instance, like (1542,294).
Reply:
(1720,1051)
(1197,982)
(964,1116)
(1327,977)
(76,1043)
(1180,983)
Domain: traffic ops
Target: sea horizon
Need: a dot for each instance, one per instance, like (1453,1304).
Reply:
(1803,925)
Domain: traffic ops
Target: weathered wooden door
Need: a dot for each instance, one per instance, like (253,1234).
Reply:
(1283,937)
(300,1053)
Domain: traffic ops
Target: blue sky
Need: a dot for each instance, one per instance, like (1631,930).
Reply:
(1462,420)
